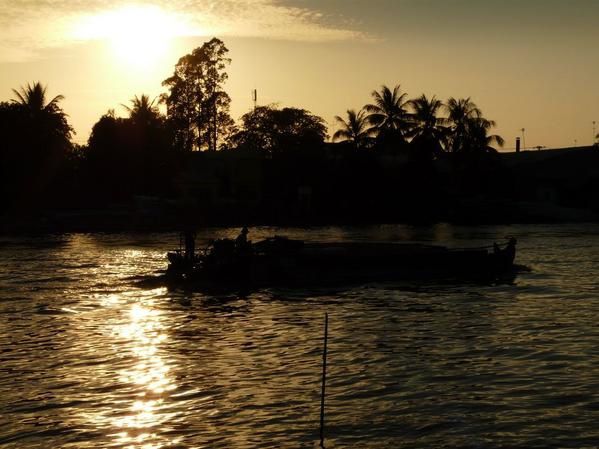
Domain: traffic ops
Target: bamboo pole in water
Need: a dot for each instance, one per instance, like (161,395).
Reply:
(324,377)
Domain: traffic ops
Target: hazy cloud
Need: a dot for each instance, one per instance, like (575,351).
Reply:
(29,26)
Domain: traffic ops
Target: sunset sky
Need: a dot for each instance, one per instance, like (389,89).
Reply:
(528,64)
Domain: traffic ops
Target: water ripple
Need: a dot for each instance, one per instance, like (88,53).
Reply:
(91,358)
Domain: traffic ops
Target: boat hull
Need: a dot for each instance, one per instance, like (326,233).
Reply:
(342,263)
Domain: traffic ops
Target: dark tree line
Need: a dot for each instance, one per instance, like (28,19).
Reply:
(35,148)
(394,121)
(129,156)
(396,158)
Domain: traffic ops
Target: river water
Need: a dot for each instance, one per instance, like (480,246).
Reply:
(89,358)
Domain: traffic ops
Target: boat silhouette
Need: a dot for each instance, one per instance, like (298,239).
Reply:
(280,260)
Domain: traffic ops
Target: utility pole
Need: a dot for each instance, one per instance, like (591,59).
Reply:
(523,139)
(324,377)
(255,98)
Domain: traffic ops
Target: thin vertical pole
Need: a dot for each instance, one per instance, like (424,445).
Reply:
(324,377)
(215,130)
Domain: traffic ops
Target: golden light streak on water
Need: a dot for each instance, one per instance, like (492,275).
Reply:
(142,335)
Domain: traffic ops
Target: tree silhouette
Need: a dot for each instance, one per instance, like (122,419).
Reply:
(142,110)
(197,105)
(280,130)
(429,133)
(46,116)
(33,98)
(36,145)
(479,139)
(356,130)
(460,110)
(389,112)
(290,176)
(469,129)
(460,113)
(135,151)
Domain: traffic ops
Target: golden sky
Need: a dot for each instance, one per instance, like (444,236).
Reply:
(528,64)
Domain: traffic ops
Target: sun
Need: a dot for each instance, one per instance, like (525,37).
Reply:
(140,36)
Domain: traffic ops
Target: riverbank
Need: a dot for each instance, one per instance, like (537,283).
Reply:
(471,212)
(230,189)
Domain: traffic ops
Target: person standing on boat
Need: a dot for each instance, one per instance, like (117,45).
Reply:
(507,254)
(190,246)
(510,249)
(242,244)
(243,251)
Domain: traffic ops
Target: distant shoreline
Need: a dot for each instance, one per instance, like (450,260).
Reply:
(140,224)
(536,187)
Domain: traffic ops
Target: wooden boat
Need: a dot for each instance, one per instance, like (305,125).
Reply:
(280,260)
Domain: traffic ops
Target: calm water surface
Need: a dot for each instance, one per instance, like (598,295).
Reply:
(91,359)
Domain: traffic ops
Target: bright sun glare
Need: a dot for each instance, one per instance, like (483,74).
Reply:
(140,36)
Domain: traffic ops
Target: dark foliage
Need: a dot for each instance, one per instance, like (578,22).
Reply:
(357,130)
(197,105)
(35,149)
(273,130)
(129,156)
(393,160)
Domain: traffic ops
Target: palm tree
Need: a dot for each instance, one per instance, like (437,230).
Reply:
(460,112)
(429,131)
(142,110)
(46,118)
(33,98)
(469,129)
(389,112)
(44,144)
(479,139)
(357,129)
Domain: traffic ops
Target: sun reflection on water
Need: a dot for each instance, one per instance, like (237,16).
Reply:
(142,335)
